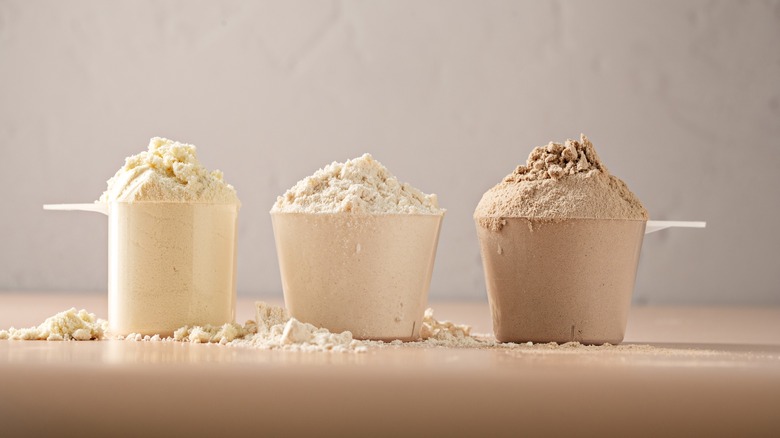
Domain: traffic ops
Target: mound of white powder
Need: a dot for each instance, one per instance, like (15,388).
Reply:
(361,185)
(70,325)
(168,171)
(273,330)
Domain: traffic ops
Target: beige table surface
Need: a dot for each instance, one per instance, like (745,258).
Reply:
(723,379)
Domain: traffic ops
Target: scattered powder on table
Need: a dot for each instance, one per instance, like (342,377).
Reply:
(168,171)
(274,329)
(70,325)
(361,186)
(445,334)
(559,181)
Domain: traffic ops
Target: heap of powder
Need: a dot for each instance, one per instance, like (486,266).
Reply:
(70,325)
(361,185)
(445,333)
(274,329)
(559,181)
(168,171)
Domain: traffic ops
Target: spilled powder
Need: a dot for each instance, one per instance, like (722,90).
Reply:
(360,186)
(445,334)
(559,181)
(168,171)
(70,325)
(274,329)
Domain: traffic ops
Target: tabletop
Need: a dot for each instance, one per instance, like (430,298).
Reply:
(681,371)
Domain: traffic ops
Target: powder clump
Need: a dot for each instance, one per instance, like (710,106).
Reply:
(70,325)
(559,181)
(168,171)
(360,186)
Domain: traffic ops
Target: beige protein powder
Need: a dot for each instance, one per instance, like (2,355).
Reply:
(359,185)
(168,171)
(69,325)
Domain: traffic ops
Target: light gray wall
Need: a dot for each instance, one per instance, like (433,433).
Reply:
(682,100)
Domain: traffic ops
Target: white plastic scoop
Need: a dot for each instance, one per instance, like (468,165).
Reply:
(653,226)
(170,264)
(97,207)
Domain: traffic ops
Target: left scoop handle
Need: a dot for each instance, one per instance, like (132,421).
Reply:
(95,207)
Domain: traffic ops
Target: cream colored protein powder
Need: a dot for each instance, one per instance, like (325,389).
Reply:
(172,242)
(70,325)
(168,171)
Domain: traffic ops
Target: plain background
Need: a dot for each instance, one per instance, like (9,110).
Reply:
(681,99)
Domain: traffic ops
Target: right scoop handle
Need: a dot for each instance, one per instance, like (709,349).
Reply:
(653,226)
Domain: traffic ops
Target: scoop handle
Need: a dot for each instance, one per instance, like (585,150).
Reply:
(653,226)
(93,207)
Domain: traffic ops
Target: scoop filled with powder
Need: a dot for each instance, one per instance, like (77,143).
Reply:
(560,239)
(172,242)
(356,249)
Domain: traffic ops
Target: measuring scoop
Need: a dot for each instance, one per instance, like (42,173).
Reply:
(653,226)
(170,264)
(564,281)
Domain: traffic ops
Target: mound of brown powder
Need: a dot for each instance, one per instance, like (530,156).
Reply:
(559,181)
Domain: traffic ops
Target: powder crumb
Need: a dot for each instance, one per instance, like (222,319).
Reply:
(82,334)
(137,337)
(360,186)
(559,181)
(168,171)
(444,333)
(219,334)
(70,325)
(268,316)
